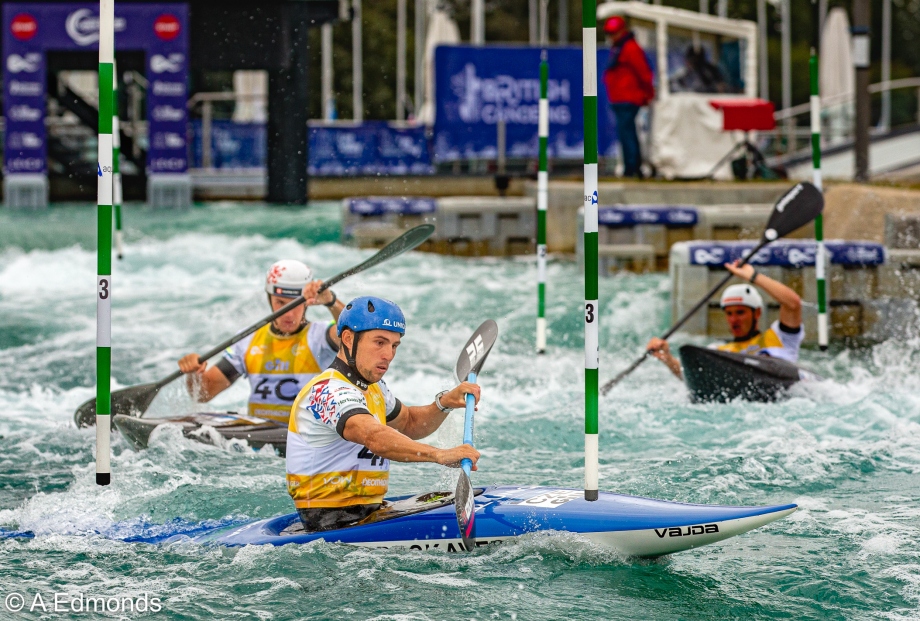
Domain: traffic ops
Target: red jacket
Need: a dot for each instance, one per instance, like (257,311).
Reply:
(629,80)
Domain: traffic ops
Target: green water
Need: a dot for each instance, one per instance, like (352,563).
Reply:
(847,451)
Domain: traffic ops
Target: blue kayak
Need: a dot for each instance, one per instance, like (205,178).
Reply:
(629,525)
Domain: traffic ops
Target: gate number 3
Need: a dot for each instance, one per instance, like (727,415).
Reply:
(103,288)
(589,313)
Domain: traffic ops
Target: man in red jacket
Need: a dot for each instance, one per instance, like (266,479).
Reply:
(630,86)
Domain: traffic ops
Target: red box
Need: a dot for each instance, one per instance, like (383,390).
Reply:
(745,114)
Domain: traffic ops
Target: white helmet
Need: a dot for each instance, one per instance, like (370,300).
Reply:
(287,278)
(741,295)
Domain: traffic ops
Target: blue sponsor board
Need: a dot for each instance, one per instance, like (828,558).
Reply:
(787,253)
(373,147)
(233,145)
(382,205)
(475,87)
(668,215)
(33,29)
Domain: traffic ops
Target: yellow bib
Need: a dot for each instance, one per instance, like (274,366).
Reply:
(277,368)
(337,473)
(753,345)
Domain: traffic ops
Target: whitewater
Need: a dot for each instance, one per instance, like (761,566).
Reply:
(846,450)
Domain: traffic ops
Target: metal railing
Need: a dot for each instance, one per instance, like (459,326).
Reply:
(792,131)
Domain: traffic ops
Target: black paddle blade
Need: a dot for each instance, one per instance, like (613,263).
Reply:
(412,238)
(466,511)
(477,349)
(797,207)
(132,401)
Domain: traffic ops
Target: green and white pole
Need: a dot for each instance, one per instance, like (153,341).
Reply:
(589,73)
(104,251)
(821,254)
(116,156)
(542,191)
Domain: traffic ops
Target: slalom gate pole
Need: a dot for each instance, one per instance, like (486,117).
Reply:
(821,254)
(104,248)
(589,92)
(116,156)
(542,190)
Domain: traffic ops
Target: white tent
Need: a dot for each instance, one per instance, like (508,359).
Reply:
(442,30)
(837,77)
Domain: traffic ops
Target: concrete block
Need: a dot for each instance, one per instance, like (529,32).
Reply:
(846,320)
(486,226)
(902,231)
(169,191)
(26,191)
(636,257)
(689,284)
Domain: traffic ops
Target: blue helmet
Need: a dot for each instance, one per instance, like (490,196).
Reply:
(371,313)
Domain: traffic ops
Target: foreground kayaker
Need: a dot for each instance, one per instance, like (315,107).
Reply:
(346,425)
(279,358)
(743,306)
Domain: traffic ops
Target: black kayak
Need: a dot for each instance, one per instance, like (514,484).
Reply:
(256,431)
(713,375)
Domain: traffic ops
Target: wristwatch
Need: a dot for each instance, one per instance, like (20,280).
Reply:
(437,402)
(334,298)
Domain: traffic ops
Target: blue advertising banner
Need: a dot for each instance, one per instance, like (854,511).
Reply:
(475,87)
(233,145)
(373,147)
(32,29)
(787,252)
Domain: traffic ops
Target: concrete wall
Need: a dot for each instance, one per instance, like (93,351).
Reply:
(566,197)
(854,211)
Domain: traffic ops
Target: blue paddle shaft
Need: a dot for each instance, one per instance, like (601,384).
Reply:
(467,464)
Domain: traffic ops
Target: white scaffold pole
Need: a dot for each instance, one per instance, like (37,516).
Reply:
(116,165)
(104,250)
(589,72)
(821,254)
(542,184)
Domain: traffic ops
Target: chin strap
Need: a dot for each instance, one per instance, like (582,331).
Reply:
(353,367)
(751,334)
(304,322)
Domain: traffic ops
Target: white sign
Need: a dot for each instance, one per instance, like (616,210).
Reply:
(83,26)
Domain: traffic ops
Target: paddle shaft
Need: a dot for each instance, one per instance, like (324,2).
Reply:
(467,464)
(635,365)
(284,309)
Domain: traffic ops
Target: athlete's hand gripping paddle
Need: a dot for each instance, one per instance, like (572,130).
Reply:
(136,399)
(468,367)
(796,208)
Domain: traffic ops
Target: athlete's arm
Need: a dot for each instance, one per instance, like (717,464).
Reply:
(311,295)
(660,349)
(420,421)
(790,304)
(390,444)
(202,383)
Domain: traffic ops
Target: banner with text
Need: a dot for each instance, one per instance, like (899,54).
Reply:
(33,29)
(475,87)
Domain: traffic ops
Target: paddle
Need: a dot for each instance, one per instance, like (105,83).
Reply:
(468,366)
(136,399)
(796,208)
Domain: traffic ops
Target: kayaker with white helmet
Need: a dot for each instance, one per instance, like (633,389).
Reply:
(743,306)
(279,358)
(346,425)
